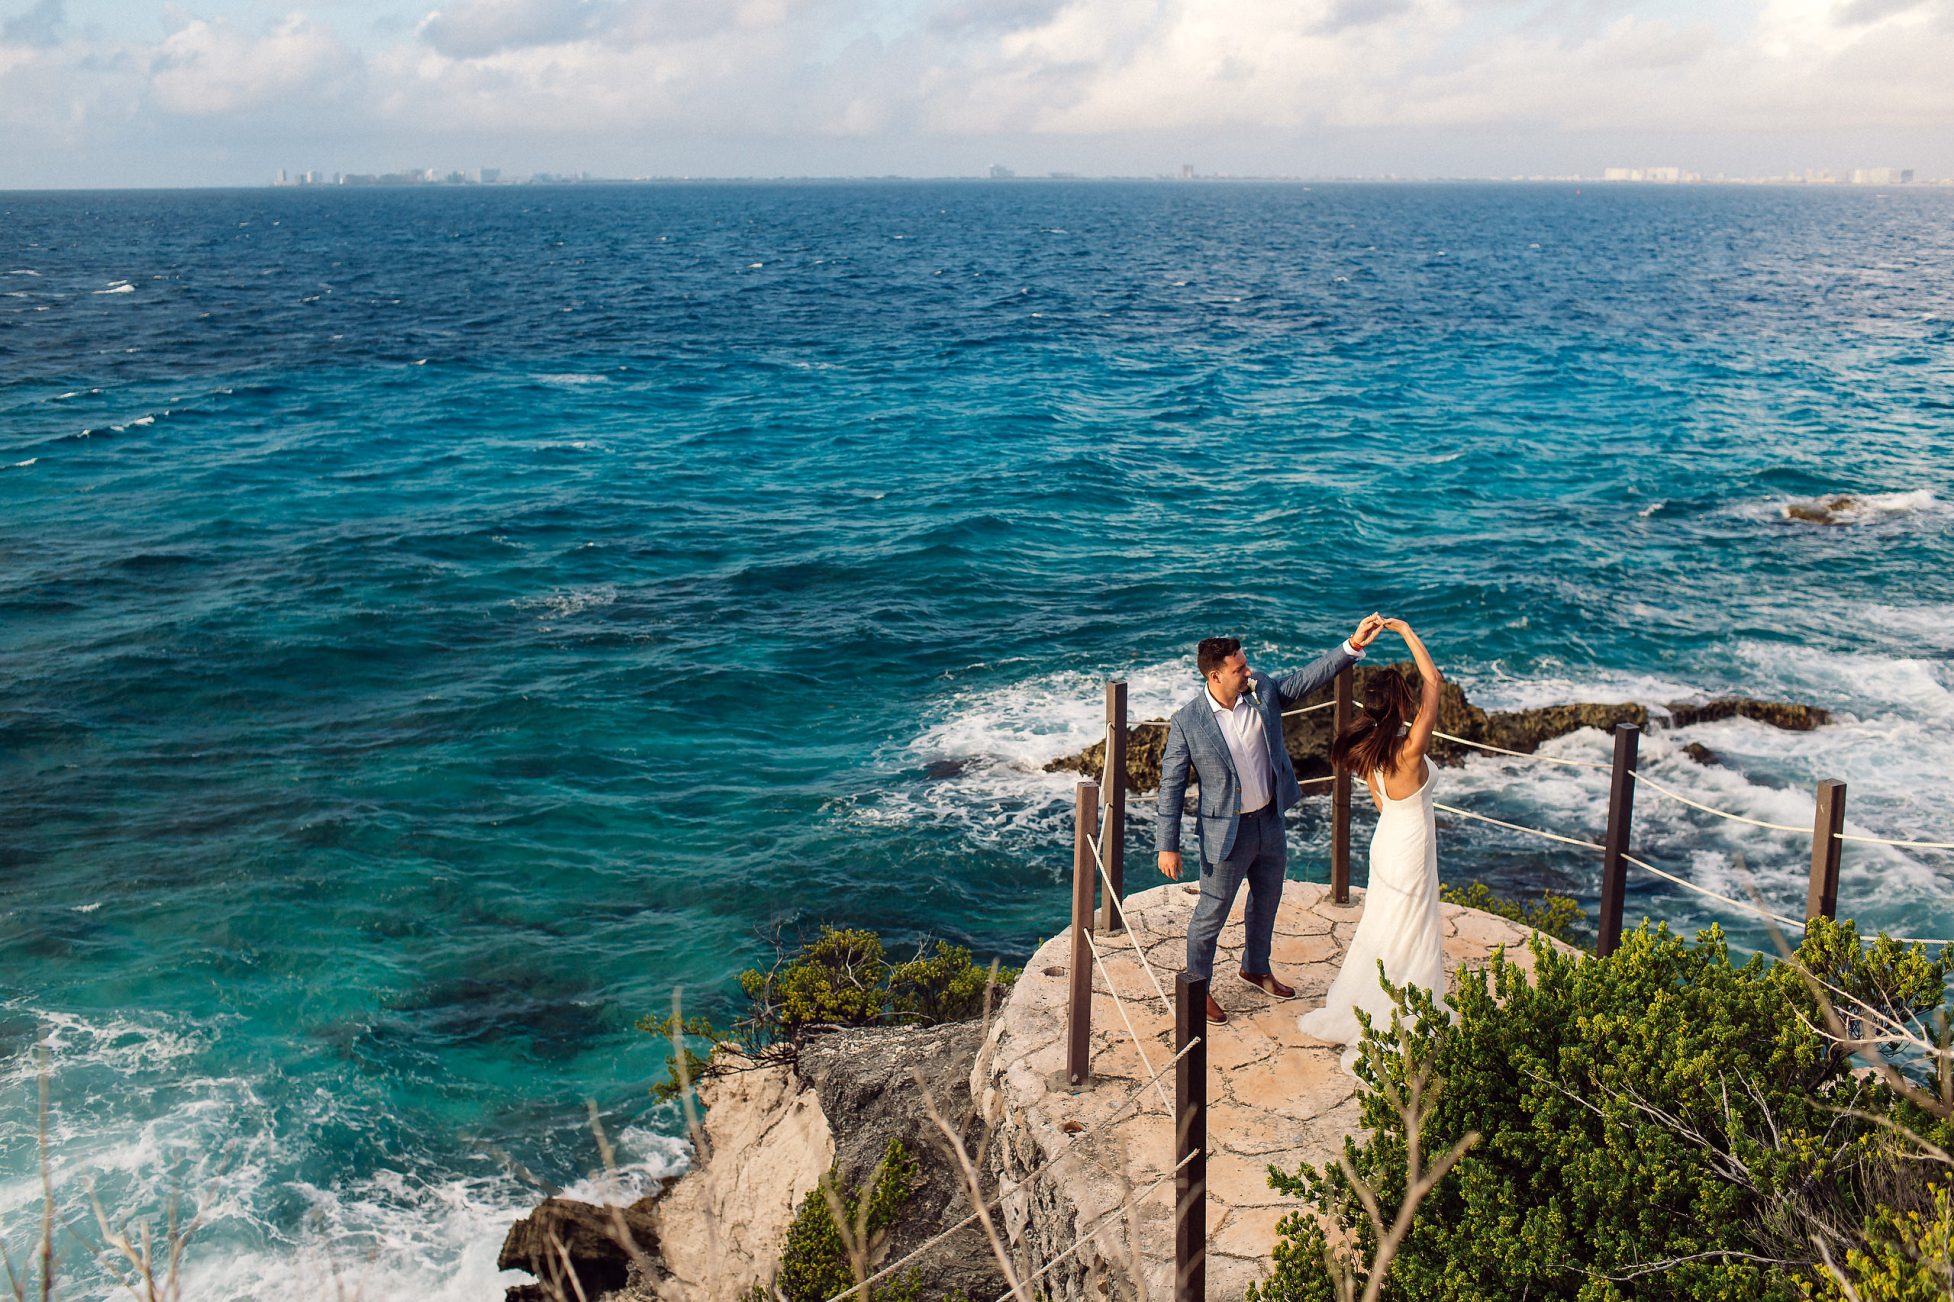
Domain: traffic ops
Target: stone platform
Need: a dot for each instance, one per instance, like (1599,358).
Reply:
(1276,1096)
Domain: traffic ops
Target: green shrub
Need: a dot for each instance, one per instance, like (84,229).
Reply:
(815,1263)
(840,978)
(1559,916)
(1659,1124)
(1907,1257)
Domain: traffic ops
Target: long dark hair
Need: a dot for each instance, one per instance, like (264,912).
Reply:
(1373,739)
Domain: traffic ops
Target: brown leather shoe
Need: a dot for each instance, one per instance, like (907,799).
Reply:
(1216,1013)
(1268,985)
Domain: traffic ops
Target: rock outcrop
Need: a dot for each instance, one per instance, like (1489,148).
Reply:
(1307,737)
(772,1132)
(565,1240)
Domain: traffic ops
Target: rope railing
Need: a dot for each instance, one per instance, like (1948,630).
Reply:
(1077,1145)
(1518,827)
(1287,714)
(1099,858)
(1119,1005)
(1103,1217)
(1758,909)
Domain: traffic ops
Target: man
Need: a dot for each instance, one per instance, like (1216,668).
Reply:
(1230,737)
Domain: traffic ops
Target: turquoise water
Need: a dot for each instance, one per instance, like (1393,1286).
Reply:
(435,625)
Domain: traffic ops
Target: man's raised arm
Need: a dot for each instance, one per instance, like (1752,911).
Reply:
(1319,674)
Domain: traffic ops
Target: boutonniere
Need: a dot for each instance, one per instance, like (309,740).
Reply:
(1254,695)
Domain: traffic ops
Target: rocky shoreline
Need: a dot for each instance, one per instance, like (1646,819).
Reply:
(772,1131)
(1307,736)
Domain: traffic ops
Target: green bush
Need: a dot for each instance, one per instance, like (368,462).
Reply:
(840,978)
(1559,916)
(1907,1257)
(1659,1124)
(815,1263)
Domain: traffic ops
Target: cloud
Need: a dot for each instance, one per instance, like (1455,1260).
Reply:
(40,25)
(475,29)
(823,80)
(205,69)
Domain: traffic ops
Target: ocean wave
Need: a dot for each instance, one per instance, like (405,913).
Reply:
(572,378)
(571,601)
(22,465)
(977,767)
(117,287)
(1836,510)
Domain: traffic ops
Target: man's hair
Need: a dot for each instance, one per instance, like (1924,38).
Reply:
(1213,653)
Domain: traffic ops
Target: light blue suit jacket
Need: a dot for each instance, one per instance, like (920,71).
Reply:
(1195,744)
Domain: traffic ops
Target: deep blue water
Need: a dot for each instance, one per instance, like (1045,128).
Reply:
(436,624)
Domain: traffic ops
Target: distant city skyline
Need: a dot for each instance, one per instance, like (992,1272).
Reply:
(1658,175)
(219,92)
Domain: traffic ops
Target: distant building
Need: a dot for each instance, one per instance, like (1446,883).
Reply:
(1882,176)
(1187,171)
(488,175)
(999,172)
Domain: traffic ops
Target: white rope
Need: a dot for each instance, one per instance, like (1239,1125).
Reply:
(1086,1237)
(1648,867)
(1520,754)
(1551,836)
(1305,782)
(1647,781)
(1105,877)
(1880,840)
(1119,1005)
(1077,1145)
(1287,714)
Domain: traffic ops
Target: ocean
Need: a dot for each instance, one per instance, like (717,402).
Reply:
(437,624)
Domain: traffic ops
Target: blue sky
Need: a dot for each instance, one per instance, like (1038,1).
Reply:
(122,92)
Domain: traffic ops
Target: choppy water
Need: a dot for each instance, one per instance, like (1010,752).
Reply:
(433,625)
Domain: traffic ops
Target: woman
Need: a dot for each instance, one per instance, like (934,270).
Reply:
(1400,926)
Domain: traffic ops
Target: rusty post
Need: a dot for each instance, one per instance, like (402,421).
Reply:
(1621,812)
(1340,794)
(1190,1139)
(1078,1018)
(1112,911)
(1822,901)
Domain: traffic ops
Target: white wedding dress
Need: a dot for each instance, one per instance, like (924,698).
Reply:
(1400,923)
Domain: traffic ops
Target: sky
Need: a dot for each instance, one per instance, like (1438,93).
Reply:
(226,92)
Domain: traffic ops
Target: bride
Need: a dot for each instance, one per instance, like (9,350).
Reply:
(1400,926)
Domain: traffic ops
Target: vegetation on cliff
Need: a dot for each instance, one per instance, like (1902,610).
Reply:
(842,977)
(1659,1124)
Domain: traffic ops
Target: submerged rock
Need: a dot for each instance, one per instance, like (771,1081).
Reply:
(1307,737)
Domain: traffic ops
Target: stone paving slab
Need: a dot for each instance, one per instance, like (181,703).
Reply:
(1276,1096)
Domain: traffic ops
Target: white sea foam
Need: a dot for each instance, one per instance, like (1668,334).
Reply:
(1891,740)
(23,271)
(117,287)
(564,603)
(1844,509)
(572,378)
(221,1152)
(22,465)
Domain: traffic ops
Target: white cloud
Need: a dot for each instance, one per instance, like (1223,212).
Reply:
(636,75)
(205,69)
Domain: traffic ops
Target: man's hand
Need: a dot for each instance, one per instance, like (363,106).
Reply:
(1367,630)
(1170,865)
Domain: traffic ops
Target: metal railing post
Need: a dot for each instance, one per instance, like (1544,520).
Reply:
(1112,911)
(1822,900)
(1078,1018)
(1340,794)
(1190,1139)
(1621,813)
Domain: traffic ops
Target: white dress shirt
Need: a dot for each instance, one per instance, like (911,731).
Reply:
(1248,746)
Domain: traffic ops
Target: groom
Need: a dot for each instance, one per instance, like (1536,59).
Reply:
(1230,736)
